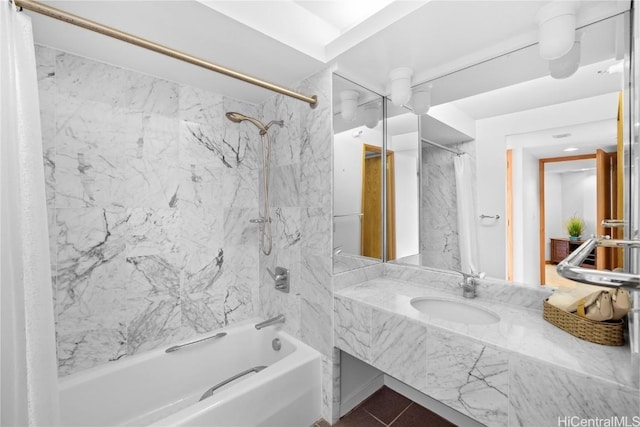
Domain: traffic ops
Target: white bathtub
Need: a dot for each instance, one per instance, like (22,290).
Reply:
(163,389)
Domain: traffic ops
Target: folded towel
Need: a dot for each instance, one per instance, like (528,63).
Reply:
(593,302)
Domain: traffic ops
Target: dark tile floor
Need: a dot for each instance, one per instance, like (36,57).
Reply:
(386,408)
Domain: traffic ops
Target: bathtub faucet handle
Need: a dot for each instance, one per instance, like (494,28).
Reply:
(281,277)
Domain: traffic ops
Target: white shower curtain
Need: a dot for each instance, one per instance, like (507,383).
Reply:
(467,233)
(28,358)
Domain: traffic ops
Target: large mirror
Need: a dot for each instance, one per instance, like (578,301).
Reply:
(357,176)
(507,155)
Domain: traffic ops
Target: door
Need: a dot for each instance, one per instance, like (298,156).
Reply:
(371,236)
(606,193)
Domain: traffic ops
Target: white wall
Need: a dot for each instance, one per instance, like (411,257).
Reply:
(580,199)
(525,218)
(407,195)
(531,221)
(491,141)
(553,226)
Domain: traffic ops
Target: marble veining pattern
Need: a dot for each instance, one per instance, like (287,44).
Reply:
(353,328)
(519,371)
(469,377)
(300,199)
(399,348)
(149,192)
(439,243)
(563,394)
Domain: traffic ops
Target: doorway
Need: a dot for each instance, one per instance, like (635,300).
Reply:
(555,244)
(372,219)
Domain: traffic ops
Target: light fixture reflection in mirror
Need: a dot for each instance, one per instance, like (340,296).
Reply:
(371,115)
(349,104)
(567,65)
(421,100)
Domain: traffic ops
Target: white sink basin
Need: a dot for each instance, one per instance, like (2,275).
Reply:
(454,311)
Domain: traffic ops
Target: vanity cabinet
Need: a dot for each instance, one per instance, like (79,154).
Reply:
(562,247)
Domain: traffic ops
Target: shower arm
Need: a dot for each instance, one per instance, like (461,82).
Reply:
(569,268)
(87,24)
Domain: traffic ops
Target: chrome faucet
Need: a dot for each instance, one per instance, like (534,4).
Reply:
(278,319)
(469,284)
(281,279)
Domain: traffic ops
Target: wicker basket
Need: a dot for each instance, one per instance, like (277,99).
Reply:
(610,332)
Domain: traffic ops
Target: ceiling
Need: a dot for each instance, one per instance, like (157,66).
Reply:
(286,41)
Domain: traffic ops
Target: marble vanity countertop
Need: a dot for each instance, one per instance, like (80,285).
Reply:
(520,330)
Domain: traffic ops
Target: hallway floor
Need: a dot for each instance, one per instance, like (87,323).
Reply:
(386,408)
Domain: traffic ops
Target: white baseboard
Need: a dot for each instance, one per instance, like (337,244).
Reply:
(349,402)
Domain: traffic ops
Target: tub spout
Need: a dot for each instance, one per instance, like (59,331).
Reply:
(278,319)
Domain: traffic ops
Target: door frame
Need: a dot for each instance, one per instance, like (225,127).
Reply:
(543,242)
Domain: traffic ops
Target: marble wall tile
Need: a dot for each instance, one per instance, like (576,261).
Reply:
(439,245)
(439,213)
(315,184)
(300,199)
(352,277)
(286,227)
(89,139)
(286,139)
(84,78)
(45,63)
(352,328)
(155,321)
(441,280)
(331,386)
(91,272)
(316,228)
(399,348)
(343,263)
(285,186)
(563,394)
(468,376)
(150,190)
(316,123)
(203,141)
(80,350)
(151,95)
(316,301)
(150,169)
(237,228)
(201,106)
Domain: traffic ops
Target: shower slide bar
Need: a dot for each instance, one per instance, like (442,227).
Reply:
(178,347)
(87,24)
(569,268)
(212,390)
(451,150)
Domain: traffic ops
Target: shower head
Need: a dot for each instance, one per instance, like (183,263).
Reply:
(237,118)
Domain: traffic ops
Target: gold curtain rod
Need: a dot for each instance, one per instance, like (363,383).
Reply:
(87,24)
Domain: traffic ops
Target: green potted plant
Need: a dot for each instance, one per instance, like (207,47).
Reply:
(575,227)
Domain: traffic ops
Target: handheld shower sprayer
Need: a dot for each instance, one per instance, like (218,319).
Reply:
(265,217)
(238,118)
